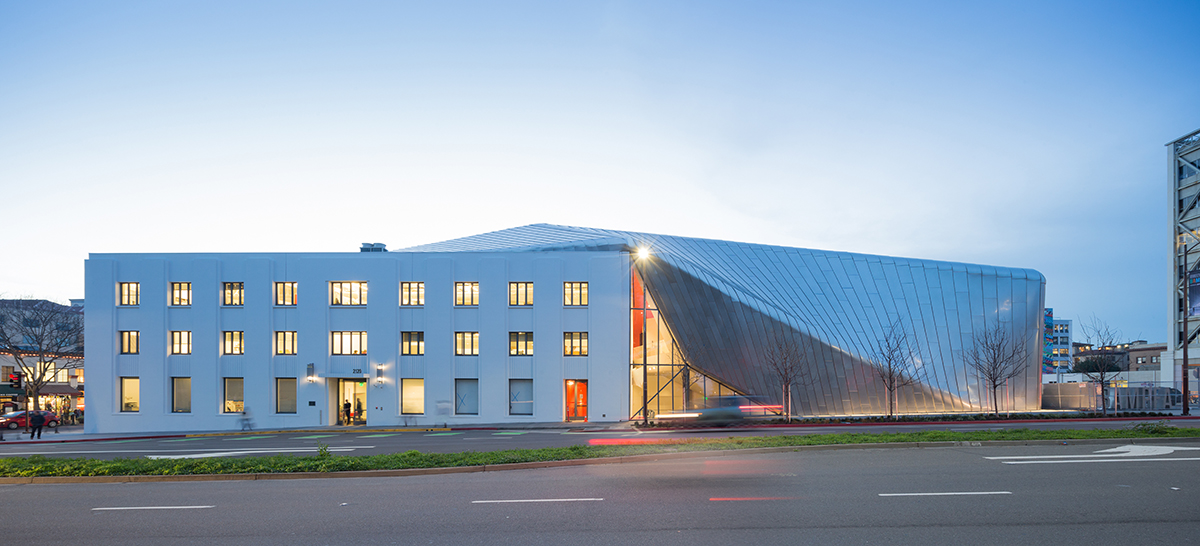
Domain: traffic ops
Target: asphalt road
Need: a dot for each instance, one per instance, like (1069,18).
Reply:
(365,442)
(1095,494)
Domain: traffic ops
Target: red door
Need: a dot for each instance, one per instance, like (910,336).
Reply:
(577,400)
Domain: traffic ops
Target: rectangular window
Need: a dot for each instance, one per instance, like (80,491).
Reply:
(181,342)
(412,293)
(466,293)
(466,397)
(285,293)
(285,395)
(130,393)
(181,395)
(466,343)
(181,293)
(520,343)
(234,399)
(235,293)
(285,343)
(232,343)
(412,343)
(412,396)
(348,293)
(575,293)
(130,293)
(520,293)
(129,342)
(575,343)
(520,397)
(348,343)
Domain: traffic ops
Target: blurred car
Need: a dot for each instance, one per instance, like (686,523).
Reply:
(725,410)
(16,419)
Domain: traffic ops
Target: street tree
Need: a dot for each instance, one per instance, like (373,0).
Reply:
(997,356)
(784,357)
(1105,365)
(895,362)
(36,335)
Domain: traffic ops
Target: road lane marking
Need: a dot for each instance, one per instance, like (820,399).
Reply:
(1130,454)
(749,498)
(945,494)
(249,438)
(1105,460)
(212,453)
(491,438)
(444,434)
(533,500)
(109,508)
(313,437)
(378,435)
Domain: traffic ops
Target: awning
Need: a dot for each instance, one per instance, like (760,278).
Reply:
(65,390)
(9,390)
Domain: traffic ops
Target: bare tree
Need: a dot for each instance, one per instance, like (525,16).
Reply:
(784,356)
(1104,366)
(36,334)
(997,356)
(894,362)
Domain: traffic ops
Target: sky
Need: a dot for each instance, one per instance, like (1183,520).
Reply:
(1021,134)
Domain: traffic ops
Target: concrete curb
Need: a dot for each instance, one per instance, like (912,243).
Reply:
(912,423)
(575,462)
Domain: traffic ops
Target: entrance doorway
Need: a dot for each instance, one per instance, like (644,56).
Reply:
(352,402)
(577,400)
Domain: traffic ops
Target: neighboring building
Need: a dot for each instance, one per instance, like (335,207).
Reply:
(1144,356)
(64,391)
(1058,346)
(1183,186)
(624,326)
(1119,353)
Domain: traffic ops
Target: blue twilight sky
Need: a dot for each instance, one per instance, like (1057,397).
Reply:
(1027,134)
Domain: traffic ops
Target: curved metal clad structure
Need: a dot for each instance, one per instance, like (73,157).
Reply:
(725,302)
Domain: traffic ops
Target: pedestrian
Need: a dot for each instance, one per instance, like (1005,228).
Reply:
(247,424)
(36,421)
(358,409)
(346,412)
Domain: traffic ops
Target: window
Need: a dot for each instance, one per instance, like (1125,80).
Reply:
(130,293)
(232,344)
(181,395)
(129,393)
(466,343)
(181,342)
(235,293)
(1141,360)
(181,293)
(285,293)
(285,343)
(348,343)
(575,293)
(412,396)
(575,343)
(1154,360)
(466,293)
(285,395)
(520,293)
(520,397)
(412,343)
(466,397)
(412,293)
(129,342)
(234,400)
(520,343)
(348,293)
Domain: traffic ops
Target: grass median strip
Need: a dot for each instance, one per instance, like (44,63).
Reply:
(38,465)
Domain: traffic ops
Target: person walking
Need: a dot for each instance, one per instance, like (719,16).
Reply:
(247,423)
(346,412)
(37,420)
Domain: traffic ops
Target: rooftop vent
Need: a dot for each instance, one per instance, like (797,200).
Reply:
(373,247)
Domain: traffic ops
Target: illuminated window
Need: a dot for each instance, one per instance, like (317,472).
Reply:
(412,293)
(235,293)
(412,343)
(129,342)
(520,343)
(575,293)
(466,293)
(466,343)
(181,293)
(130,293)
(348,293)
(285,395)
(575,343)
(520,293)
(348,343)
(412,396)
(181,342)
(285,293)
(234,399)
(232,343)
(181,395)
(285,343)
(130,393)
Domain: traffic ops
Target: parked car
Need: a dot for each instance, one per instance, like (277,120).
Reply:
(16,419)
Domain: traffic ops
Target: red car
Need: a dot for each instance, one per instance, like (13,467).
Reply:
(16,419)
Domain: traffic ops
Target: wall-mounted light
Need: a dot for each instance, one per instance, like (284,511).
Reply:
(643,253)
(379,374)
(311,375)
